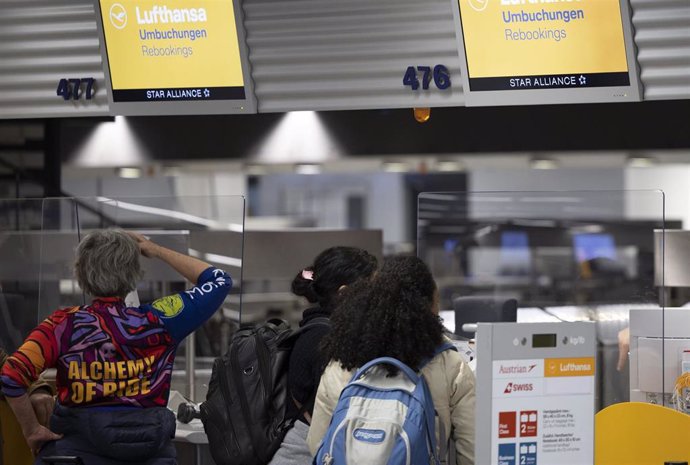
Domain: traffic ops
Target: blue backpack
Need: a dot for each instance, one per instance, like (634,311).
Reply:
(383,420)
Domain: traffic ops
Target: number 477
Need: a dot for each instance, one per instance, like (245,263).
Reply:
(440,75)
(71,88)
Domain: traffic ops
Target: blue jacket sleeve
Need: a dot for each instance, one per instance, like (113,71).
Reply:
(184,312)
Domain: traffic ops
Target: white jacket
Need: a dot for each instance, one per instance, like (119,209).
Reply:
(451,383)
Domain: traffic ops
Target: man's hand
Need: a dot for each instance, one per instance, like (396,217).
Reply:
(40,436)
(148,249)
(43,404)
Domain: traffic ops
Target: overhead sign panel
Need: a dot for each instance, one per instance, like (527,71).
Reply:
(546,51)
(169,57)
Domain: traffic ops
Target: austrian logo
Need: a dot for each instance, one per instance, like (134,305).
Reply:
(516,369)
(515,387)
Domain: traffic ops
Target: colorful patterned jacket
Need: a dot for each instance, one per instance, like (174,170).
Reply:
(109,354)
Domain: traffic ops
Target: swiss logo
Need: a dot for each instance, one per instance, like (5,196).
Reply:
(518,387)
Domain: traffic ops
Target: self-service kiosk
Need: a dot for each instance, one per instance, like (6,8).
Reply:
(535,393)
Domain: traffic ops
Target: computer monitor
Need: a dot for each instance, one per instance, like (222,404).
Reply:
(589,246)
(515,256)
(483,309)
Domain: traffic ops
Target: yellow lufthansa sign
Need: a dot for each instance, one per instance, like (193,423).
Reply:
(172,50)
(557,367)
(543,44)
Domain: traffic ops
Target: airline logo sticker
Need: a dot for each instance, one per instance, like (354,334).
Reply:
(518,387)
(557,367)
(478,5)
(118,16)
(518,369)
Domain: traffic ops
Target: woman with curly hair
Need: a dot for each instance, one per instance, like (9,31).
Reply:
(396,315)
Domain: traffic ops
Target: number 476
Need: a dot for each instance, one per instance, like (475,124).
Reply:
(440,75)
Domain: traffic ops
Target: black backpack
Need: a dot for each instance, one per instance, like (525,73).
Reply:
(245,413)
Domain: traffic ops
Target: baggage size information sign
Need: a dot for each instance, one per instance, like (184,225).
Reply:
(543,412)
(543,44)
(174,50)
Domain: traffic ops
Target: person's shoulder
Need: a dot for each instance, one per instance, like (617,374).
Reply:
(335,375)
(61,314)
(450,363)
(313,333)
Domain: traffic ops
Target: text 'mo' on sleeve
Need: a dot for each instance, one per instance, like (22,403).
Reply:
(184,312)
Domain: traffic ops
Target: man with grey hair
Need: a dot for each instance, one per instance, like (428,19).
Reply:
(114,359)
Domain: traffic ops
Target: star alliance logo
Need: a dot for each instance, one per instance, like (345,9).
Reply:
(207,93)
(583,80)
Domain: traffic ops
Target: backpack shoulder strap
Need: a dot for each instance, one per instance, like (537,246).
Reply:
(439,350)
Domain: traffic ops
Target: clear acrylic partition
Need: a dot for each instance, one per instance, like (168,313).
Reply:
(210,228)
(564,256)
(20,239)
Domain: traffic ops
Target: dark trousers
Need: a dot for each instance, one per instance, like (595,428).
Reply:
(113,437)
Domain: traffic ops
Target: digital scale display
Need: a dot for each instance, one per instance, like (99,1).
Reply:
(543,340)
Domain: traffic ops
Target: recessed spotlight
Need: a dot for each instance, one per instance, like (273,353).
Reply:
(255,170)
(641,162)
(307,169)
(395,167)
(129,173)
(449,165)
(543,164)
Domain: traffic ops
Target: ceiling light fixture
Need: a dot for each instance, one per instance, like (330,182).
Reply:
(395,167)
(449,166)
(641,162)
(306,168)
(543,164)
(129,172)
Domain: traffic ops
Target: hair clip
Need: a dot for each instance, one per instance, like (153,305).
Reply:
(308,275)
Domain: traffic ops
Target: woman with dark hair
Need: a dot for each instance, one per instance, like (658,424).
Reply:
(114,362)
(333,270)
(396,315)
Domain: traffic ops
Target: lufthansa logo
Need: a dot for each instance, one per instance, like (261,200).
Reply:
(118,16)
(478,5)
